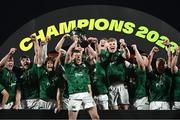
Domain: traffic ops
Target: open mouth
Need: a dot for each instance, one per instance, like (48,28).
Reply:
(25,64)
(78,59)
(112,48)
(10,66)
(50,67)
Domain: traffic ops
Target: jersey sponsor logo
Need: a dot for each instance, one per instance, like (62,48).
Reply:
(78,74)
(12,84)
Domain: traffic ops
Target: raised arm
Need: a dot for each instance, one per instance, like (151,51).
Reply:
(150,57)
(10,53)
(96,46)
(36,47)
(61,41)
(138,57)
(169,52)
(39,55)
(91,51)
(91,58)
(42,51)
(174,60)
(45,49)
(57,61)
(68,58)
(123,46)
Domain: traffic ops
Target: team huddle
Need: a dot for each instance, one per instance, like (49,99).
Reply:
(92,74)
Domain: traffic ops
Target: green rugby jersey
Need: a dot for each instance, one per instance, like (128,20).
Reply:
(29,83)
(140,77)
(99,80)
(8,82)
(77,77)
(160,85)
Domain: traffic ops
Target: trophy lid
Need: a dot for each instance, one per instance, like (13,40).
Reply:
(77,31)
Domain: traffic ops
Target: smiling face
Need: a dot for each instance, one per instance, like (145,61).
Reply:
(103,42)
(49,65)
(77,57)
(160,65)
(9,63)
(112,45)
(25,62)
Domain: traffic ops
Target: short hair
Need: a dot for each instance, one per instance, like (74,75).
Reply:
(103,39)
(76,50)
(49,59)
(24,56)
(161,60)
(112,40)
(10,58)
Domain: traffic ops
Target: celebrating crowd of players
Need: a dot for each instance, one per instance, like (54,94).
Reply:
(92,74)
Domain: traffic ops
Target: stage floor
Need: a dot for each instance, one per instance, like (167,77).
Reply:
(111,114)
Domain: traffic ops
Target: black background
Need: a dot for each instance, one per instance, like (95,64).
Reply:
(14,14)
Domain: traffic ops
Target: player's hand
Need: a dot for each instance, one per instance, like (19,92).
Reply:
(123,45)
(134,47)
(166,42)
(121,41)
(48,39)
(155,49)
(33,37)
(12,51)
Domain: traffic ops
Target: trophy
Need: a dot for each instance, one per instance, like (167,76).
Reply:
(81,35)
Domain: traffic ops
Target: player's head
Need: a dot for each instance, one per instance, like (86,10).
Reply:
(25,61)
(77,55)
(103,42)
(9,63)
(145,59)
(112,45)
(160,64)
(49,63)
